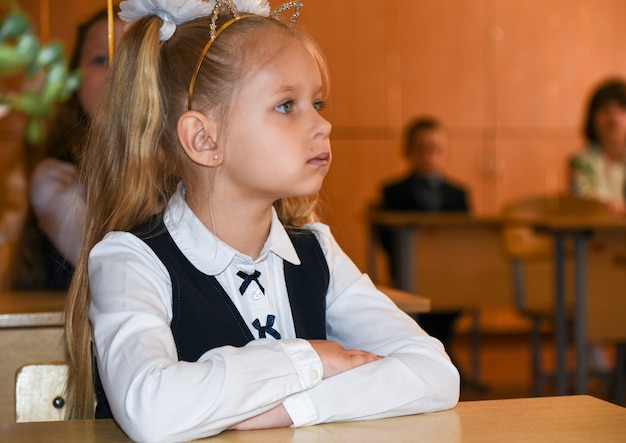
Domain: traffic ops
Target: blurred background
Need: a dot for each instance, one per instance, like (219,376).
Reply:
(510,79)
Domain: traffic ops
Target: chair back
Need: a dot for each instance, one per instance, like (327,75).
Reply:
(530,253)
(40,392)
(523,242)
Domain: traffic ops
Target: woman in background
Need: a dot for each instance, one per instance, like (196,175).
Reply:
(50,240)
(599,171)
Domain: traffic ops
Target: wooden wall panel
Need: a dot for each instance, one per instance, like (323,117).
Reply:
(467,164)
(509,78)
(548,55)
(517,177)
(354,43)
(532,166)
(352,184)
(442,48)
(526,57)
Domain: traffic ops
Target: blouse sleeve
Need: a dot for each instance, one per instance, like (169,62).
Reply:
(58,203)
(415,376)
(583,176)
(155,397)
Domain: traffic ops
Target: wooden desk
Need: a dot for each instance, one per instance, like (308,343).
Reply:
(455,259)
(31,331)
(554,419)
(409,303)
(31,309)
(37,309)
(459,250)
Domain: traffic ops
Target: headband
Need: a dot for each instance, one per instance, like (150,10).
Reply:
(176,12)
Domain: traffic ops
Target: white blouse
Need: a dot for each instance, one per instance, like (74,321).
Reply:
(155,397)
(595,176)
(58,201)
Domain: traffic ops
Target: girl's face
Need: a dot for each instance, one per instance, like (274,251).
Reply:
(610,124)
(94,63)
(277,143)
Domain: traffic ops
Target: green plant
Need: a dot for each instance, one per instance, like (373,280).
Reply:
(47,80)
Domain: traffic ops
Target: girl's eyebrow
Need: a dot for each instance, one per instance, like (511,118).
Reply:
(285,88)
(293,87)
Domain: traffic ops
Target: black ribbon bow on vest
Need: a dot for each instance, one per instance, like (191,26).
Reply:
(249,278)
(267,328)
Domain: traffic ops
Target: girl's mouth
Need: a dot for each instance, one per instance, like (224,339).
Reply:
(321,160)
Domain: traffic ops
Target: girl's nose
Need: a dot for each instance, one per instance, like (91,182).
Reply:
(323,127)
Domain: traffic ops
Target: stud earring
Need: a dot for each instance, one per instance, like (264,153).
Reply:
(215,156)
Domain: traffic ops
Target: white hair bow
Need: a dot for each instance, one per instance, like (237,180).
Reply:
(177,12)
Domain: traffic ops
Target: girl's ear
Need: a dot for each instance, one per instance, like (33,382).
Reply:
(197,134)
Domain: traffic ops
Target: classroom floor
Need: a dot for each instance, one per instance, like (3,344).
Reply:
(505,367)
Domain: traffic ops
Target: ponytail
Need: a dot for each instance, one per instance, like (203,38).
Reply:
(122,169)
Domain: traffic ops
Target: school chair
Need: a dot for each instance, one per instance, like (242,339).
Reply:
(606,304)
(530,255)
(40,392)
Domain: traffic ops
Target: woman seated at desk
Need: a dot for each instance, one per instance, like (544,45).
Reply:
(599,172)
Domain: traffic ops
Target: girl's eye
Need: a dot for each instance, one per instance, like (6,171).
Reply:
(286,107)
(100,61)
(319,106)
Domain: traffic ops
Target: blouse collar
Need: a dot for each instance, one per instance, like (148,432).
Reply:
(207,252)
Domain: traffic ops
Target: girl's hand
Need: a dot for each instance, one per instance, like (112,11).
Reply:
(51,178)
(617,207)
(336,359)
(274,418)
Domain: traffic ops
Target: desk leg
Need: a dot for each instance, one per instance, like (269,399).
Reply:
(559,314)
(404,246)
(372,243)
(580,314)
(404,239)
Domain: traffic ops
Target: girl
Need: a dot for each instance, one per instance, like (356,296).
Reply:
(50,242)
(217,299)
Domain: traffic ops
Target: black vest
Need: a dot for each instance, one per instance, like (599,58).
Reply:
(204,317)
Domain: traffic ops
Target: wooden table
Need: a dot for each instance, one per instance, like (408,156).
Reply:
(567,419)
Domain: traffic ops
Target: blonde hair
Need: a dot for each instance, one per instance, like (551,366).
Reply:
(132,164)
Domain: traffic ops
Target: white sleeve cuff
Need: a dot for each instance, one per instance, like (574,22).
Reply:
(308,364)
(305,360)
(301,410)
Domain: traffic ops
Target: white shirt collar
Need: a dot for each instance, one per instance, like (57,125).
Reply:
(207,252)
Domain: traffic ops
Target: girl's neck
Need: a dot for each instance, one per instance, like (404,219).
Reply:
(614,151)
(613,147)
(242,226)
